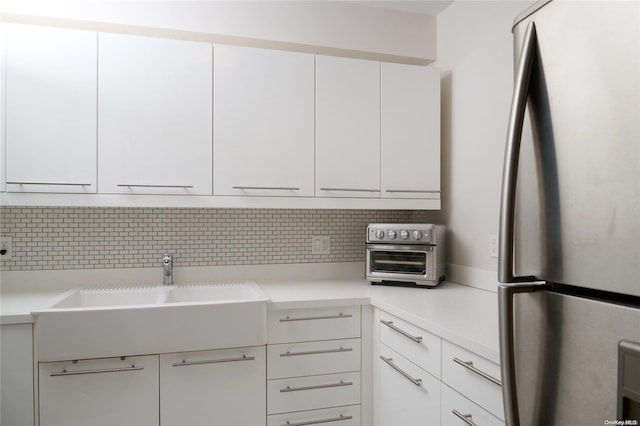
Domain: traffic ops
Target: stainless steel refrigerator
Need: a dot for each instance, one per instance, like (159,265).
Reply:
(570,218)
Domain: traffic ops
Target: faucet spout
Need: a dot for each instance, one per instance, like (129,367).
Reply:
(167,269)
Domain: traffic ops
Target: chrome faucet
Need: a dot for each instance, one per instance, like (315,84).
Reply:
(167,269)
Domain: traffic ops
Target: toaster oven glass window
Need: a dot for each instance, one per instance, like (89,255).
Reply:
(399,261)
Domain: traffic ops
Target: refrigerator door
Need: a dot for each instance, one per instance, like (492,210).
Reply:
(566,358)
(577,193)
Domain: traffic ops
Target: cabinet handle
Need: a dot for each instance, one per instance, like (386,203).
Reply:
(303,388)
(97,371)
(48,183)
(417,339)
(469,365)
(186,363)
(317,422)
(133,185)
(464,417)
(340,315)
(417,382)
(274,188)
(323,351)
(413,191)
(350,189)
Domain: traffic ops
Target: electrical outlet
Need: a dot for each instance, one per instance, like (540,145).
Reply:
(5,248)
(320,245)
(493,245)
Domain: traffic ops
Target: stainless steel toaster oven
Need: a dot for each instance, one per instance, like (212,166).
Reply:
(398,254)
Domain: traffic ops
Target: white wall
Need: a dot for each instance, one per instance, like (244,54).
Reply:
(329,24)
(475,55)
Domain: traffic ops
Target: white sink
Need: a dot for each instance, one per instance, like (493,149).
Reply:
(142,295)
(110,297)
(147,319)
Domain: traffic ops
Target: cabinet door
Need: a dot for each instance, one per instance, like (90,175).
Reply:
(100,392)
(264,127)
(400,400)
(50,109)
(347,127)
(222,387)
(410,131)
(16,374)
(155,116)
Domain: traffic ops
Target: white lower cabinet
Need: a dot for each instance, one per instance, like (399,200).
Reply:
(408,395)
(218,387)
(310,393)
(107,391)
(314,366)
(422,379)
(224,387)
(475,378)
(458,410)
(16,375)
(340,416)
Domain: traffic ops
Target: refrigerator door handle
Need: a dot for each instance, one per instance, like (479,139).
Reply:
(512,153)
(507,348)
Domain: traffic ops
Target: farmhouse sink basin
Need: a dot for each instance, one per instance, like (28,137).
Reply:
(156,295)
(147,319)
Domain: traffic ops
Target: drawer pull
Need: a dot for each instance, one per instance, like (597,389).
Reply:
(186,363)
(270,188)
(413,191)
(323,351)
(389,324)
(469,365)
(48,183)
(340,315)
(464,417)
(417,382)
(350,189)
(317,422)
(302,388)
(96,371)
(134,185)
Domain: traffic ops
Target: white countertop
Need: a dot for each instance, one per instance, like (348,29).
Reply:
(463,315)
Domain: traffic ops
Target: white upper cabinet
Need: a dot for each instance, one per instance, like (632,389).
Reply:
(347,127)
(410,131)
(263,126)
(3,81)
(51,85)
(154,115)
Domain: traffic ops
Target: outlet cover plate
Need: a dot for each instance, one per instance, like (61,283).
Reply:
(320,245)
(6,244)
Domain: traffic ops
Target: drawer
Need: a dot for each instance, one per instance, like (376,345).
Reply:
(341,416)
(455,405)
(310,393)
(407,395)
(305,325)
(473,376)
(313,358)
(414,343)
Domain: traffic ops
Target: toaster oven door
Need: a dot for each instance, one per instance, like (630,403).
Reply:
(388,262)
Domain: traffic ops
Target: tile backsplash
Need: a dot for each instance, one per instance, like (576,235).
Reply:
(48,238)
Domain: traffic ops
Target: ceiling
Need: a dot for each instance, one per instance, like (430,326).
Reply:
(424,7)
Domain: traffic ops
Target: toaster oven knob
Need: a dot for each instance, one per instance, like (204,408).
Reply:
(379,234)
(392,234)
(417,234)
(404,234)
